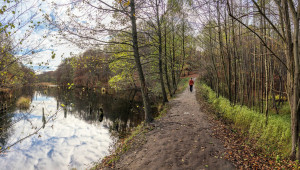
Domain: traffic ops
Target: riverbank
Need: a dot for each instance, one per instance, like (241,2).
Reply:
(80,126)
(44,84)
(138,133)
(179,139)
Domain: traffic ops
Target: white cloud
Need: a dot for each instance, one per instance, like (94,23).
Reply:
(71,142)
(42,39)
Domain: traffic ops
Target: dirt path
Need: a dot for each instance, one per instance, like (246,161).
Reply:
(180,140)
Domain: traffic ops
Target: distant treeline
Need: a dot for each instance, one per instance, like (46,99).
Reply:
(89,69)
(95,68)
(12,72)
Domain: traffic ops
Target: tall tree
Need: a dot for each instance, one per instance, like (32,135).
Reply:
(94,35)
(146,101)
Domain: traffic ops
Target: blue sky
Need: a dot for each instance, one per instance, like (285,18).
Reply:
(36,50)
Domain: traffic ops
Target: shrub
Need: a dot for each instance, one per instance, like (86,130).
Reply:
(23,103)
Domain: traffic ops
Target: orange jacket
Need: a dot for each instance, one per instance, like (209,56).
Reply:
(191,82)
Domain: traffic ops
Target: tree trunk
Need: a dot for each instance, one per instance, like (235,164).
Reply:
(173,59)
(292,57)
(166,62)
(235,56)
(295,92)
(144,89)
(228,60)
(212,56)
(221,43)
(165,98)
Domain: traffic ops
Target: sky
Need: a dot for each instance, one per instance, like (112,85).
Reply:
(46,40)
(42,41)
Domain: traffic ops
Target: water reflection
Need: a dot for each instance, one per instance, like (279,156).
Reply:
(78,129)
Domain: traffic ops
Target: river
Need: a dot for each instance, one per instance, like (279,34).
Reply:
(78,127)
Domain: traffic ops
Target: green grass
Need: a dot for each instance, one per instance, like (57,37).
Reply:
(285,108)
(272,138)
(162,112)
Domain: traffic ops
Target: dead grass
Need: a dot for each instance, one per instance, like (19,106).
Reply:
(23,103)
(5,90)
(44,84)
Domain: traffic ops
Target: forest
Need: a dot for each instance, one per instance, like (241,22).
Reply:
(252,47)
(245,53)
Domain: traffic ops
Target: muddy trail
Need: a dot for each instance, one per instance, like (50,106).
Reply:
(179,140)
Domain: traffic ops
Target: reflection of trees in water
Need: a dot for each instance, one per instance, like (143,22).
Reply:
(5,123)
(117,111)
(7,107)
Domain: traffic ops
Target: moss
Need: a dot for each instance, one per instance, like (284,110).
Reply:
(273,138)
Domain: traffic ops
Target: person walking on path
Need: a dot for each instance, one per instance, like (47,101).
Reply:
(191,83)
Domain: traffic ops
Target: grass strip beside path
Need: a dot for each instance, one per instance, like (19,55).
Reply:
(250,142)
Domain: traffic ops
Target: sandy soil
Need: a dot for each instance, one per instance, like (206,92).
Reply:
(180,140)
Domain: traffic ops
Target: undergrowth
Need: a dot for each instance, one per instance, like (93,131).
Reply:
(272,137)
(183,84)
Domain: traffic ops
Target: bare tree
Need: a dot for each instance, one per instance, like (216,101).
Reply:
(95,32)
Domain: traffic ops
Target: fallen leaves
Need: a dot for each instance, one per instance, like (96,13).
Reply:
(242,154)
(239,149)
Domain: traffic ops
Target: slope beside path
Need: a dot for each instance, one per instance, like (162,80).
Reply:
(180,140)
